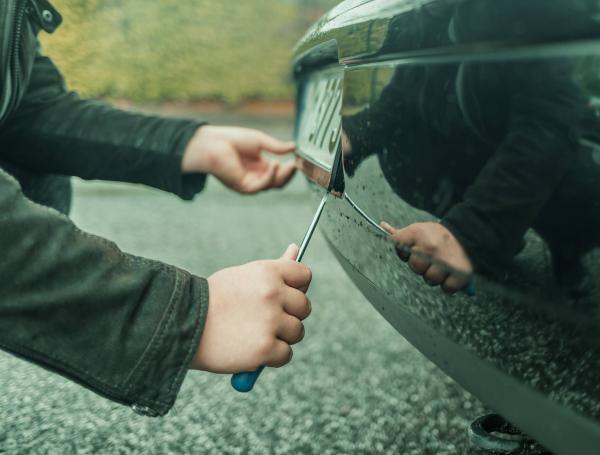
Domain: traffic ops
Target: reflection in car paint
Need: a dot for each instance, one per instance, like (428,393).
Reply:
(362,213)
(428,112)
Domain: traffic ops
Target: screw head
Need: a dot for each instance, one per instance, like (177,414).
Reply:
(47,15)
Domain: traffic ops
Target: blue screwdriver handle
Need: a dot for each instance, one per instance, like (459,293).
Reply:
(469,289)
(244,382)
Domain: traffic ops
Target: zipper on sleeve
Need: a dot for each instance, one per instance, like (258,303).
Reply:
(11,86)
(16,46)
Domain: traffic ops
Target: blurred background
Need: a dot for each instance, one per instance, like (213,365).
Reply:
(212,53)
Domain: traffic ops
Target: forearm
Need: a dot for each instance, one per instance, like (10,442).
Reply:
(123,326)
(57,132)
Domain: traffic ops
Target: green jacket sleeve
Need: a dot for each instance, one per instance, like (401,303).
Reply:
(54,131)
(123,326)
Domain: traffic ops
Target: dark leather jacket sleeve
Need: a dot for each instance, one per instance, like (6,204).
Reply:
(54,131)
(123,326)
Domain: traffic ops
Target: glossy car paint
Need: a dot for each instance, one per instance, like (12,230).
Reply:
(412,73)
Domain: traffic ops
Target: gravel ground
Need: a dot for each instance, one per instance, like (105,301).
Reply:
(354,386)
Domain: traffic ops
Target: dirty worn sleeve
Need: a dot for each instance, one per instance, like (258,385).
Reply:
(55,131)
(520,177)
(122,326)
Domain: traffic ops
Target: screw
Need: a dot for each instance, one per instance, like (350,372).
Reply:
(47,15)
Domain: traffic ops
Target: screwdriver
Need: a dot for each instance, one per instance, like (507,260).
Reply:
(244,382)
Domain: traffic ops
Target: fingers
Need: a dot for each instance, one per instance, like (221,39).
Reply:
(295,274)
(296,304)
(291,252)
(435,275)
(270,144)
(433,252)
(291,330)
(455,283)
(419,263)
(279,354)
(406,236)
(276,175)
(284,173)
(263,180)
(388,228)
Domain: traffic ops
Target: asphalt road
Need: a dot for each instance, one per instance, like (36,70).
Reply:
(354,386)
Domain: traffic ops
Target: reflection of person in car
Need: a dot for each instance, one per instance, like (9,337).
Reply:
(490,148)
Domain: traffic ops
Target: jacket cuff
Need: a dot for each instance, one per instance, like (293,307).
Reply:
(186,186)
(156,381)
(477,237)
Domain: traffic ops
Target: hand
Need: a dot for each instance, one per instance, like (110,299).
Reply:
(428,247)
(255,313)
(234,156)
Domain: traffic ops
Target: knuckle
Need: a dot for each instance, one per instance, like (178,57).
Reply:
(272,319)
(431,248)
(264,269)
(401,237)
(270,267)
(269,291)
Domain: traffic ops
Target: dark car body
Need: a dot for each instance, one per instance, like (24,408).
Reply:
(428,93)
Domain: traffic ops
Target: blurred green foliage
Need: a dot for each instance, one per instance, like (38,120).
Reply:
(159,50)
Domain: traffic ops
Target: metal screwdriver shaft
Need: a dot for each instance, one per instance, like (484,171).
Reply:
(244,382)
(311,229)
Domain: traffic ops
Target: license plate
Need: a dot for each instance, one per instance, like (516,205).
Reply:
(320,120)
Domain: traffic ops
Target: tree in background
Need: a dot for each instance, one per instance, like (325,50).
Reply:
(159,50)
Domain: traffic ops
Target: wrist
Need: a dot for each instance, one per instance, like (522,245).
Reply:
(197,157)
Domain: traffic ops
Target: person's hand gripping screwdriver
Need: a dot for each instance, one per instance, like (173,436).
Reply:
(255,313)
